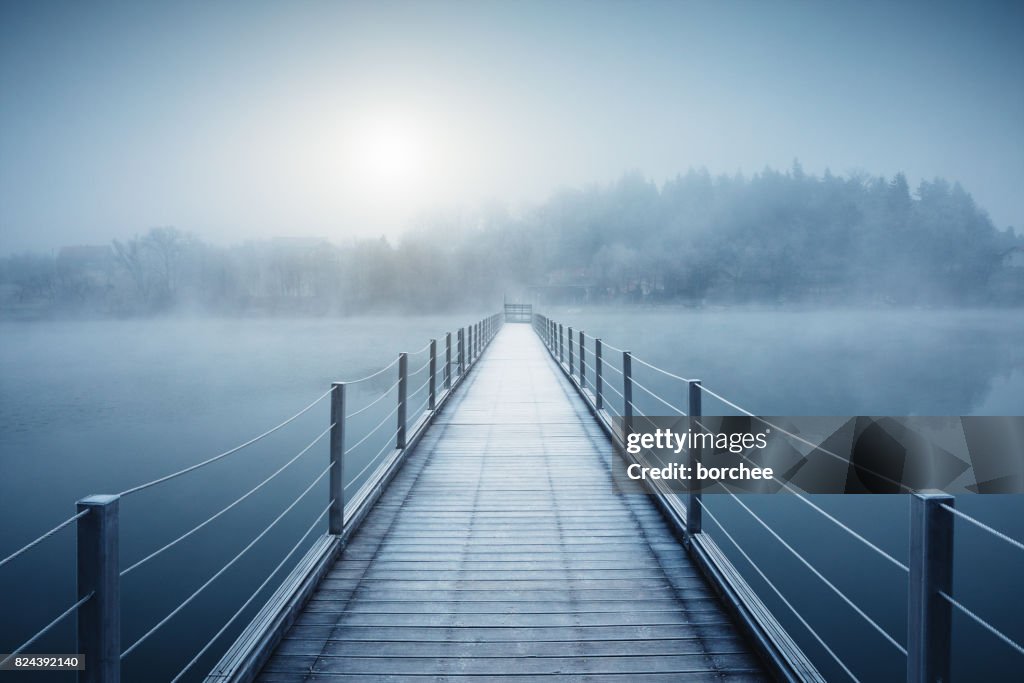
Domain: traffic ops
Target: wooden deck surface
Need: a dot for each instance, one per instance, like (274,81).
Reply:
(502,552)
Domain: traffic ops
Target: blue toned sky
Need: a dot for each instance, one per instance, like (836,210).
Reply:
(237,120)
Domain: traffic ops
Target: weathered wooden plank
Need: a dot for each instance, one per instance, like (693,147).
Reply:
(692,677)
(504,551)
(319,604)
(535,666)
(327,632)
(528,648)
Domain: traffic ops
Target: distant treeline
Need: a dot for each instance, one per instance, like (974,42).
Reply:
(778,237)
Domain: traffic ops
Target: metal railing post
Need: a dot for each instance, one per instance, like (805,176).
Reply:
(462,352)
(403,366)
(336,519)
(561,344)
(569,330)
(583,364)
(598,400)
(693,510)
(99,618)
(447,361)
(929,615)
(432,401)
(627,391)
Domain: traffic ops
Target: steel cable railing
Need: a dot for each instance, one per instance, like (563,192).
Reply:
(981,525)
(470,348)
(417,392)
(984,624)
(46,629)
(796,437)
(778,593)
(375,374)
(40,539)
(881,631)
(374,401)
(223,569)
(641,361)
(658,398)
(226,453)
(577,368)
(233,504)
(256,592)
(387,445)
(373,431)
(419,369)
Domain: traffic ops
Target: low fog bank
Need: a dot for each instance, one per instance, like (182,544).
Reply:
(775,238)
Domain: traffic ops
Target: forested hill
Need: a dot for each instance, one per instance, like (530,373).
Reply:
(773,237)
(776,237)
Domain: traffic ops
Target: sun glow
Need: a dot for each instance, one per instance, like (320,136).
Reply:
(390,152)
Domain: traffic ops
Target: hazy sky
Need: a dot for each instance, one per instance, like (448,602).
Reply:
(238,120)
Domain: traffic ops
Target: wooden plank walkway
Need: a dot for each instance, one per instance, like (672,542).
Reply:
(502,552)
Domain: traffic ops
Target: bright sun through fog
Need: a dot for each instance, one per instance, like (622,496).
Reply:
(390,153)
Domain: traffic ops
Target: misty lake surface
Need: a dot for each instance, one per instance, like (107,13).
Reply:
(101,406)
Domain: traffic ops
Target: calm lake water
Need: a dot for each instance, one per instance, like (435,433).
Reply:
(98,407)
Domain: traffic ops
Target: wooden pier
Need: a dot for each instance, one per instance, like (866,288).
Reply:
(486,541)
(502,550)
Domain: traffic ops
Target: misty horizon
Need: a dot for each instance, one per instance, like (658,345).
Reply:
(355,120)
(469,217)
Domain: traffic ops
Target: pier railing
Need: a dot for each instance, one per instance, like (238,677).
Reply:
(604,376)
(98,607)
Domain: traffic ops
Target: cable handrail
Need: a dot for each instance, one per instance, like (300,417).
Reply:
(417,392)
(981,525)
(25,548)
(387,446)
(802,440)
(607,406)
(984,624)
(658,398)
(383,369)
(375,401)
(420,408)
(821,576)
(252,597)
(641,361)
(606,345)
(46,629)
(250,492)
(840,524)
(777,592)
(486,329)
(419,370)
(372,431)
(554,345)
(226,453)
(612,387)
(223,569)
(610,367)
(418,352)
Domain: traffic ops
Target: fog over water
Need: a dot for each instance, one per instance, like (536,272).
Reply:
(99,406)
(210,211)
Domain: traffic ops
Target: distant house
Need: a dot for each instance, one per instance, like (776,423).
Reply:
(1007,283)
(1014,257)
